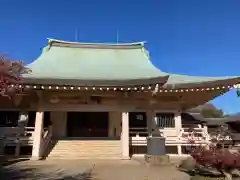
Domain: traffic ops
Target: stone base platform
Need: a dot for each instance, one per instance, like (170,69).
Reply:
(157,160)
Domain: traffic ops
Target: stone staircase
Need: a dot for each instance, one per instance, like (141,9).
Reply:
(86,149)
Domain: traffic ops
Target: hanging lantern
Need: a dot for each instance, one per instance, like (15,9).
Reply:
(237,86)
(238,92)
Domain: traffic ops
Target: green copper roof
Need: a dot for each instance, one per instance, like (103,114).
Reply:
(71,62)
(176,80)
(86,61)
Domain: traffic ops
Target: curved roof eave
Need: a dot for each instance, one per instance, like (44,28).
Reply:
(184,81)
(94,82)
(80,63)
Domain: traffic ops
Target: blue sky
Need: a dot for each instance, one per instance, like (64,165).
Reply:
(193,37)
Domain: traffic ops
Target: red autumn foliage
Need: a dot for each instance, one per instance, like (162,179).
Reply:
(10,74)
(224,160)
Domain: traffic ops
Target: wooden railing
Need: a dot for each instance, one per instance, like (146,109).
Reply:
(142,132)
(18,136)
(29,131)
(197,134)
(138,136)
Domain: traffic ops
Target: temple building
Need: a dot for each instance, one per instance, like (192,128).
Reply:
(92,100)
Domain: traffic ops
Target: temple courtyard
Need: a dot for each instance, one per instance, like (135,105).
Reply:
(134,169)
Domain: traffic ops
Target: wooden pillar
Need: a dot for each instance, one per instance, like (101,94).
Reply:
(38,132)
(178,122)
(17,148)
(125,135)
(178,126)
(205,132)
(150,122)
(179,149)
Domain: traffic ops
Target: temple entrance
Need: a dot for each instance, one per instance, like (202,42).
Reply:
(137,123)
(87,124)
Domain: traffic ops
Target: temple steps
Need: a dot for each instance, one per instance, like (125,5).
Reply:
(86,149)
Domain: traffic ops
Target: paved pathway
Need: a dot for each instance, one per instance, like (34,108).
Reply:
(90,170)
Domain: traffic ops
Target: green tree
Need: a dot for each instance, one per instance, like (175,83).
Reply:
(210,113)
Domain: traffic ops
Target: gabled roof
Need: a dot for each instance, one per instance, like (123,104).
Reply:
(193,118)
(98,64)
(216,121)
(184,81)
(94,64)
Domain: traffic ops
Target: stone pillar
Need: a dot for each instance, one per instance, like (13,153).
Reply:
(37,138)
(125,135)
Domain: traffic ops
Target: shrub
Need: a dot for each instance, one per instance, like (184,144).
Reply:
(206,178)
(188,164)
(214,157)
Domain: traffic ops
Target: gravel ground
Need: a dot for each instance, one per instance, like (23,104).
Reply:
(90,170)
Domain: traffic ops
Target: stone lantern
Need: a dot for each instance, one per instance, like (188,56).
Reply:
(156,149)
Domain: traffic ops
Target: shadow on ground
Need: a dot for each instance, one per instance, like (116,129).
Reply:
(15,173)
(89,170)
(10,161)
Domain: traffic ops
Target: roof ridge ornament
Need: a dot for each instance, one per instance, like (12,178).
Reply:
(51,40)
